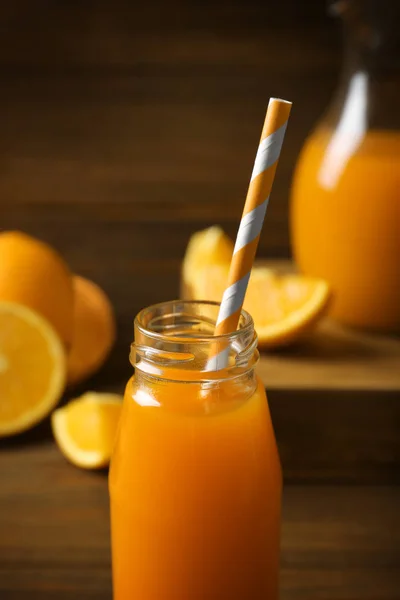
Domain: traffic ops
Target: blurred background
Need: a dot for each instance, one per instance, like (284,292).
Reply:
(125,128)
(128,126)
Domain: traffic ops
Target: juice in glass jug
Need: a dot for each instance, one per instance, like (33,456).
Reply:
(195,479)
(345,205)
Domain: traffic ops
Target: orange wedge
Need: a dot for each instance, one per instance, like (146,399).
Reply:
(283,307)
(205,248)
(85,429)
(32,368)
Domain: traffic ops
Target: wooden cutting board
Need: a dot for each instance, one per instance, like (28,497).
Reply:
(333,358)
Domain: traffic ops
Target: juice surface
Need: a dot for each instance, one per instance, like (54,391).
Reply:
(345,224)
(195,487)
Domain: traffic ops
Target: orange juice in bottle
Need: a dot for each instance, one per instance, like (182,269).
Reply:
(345,205)
(195,480)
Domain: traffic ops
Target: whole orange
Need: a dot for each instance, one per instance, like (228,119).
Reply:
(35,275)
(93,330)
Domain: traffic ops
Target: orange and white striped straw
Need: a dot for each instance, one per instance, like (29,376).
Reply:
(251,224)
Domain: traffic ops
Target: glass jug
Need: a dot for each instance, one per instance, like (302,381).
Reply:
(345,201)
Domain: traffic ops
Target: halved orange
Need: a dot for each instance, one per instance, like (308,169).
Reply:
(283,306)
(85,429)
(32,368)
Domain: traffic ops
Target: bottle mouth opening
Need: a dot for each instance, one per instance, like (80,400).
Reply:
(179,320)
(176,340)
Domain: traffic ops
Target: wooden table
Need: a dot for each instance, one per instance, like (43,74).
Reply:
(341,514)
(335,403)
(338,542)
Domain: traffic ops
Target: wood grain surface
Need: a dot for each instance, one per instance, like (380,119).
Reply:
(334,357)
(338,542)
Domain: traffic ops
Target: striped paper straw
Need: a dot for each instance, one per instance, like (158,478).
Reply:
(251,224)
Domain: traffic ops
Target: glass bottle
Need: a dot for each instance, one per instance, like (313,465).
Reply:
(195,479)
(345,204)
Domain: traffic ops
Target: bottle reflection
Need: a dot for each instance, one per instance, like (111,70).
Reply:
(349,132)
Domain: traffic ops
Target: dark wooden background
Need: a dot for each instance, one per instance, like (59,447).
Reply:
(126,126)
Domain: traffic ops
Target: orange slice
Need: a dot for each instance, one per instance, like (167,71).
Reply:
(85,429)
(283,307)
(205,248)
(32,368)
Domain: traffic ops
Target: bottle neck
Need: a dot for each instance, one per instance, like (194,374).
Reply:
(174,342)
(171,370)
(201,397)
(369,89)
